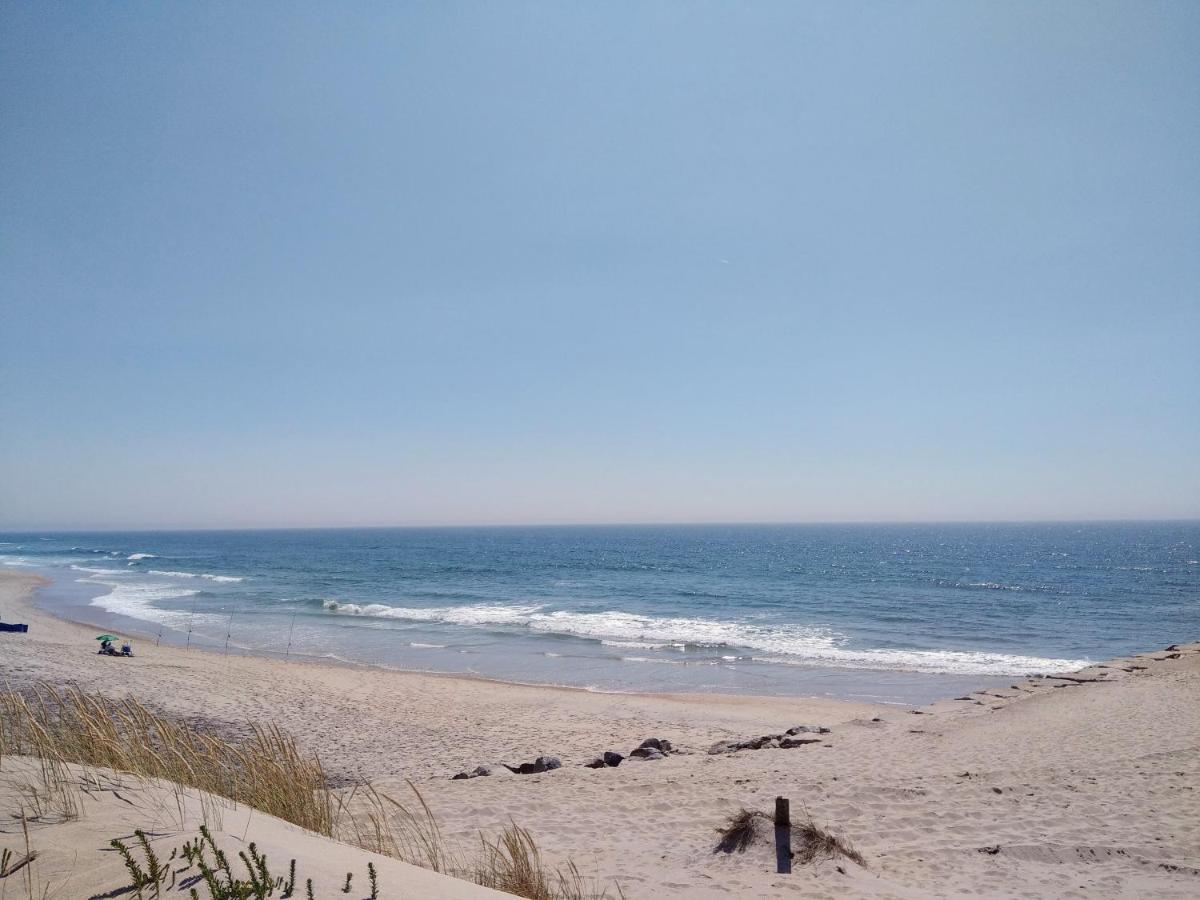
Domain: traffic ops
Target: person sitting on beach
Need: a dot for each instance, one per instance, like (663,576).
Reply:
(106,646)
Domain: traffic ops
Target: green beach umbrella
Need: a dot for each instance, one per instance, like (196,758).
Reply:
(107,637)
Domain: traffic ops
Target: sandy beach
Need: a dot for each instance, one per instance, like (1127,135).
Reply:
(1080,787)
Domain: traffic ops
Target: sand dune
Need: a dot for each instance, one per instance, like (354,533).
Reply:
(1051,787)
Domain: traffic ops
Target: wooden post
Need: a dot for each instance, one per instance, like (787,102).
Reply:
(783,836)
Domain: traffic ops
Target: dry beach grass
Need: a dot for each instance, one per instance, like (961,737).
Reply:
(266,772)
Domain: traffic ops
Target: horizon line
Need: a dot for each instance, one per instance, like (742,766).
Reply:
(663,524)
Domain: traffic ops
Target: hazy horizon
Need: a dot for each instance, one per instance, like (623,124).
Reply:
(285,265)
(647,524)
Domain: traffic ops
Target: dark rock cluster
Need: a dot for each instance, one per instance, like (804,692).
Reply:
(650,748)
(797,736)
(609,759)
(541,764)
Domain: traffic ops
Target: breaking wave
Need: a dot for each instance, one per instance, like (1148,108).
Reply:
(206,575)
(790,644)
(98,571)
(133,596)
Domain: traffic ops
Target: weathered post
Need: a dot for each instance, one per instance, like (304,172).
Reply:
(783,836)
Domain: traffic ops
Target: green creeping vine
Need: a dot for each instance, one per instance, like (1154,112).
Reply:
(209,867)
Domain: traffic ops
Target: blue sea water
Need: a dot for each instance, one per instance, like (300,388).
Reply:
(900,613)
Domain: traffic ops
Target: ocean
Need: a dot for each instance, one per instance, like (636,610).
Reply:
(891,613)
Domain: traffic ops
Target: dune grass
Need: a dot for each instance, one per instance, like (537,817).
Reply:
(509,862)
(819,843)
(810,841)
(268,772)
(740,831)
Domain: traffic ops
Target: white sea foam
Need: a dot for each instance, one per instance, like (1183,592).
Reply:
(783,643)
(142,556)
(97,571)
(205,575)
(137,598)
(421,646)
(482,614)
(943,662)
(659,660)
(15,561)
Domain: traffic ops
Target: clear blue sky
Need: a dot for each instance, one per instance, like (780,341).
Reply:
(334,264)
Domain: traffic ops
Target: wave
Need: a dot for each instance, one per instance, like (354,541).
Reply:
(784,643)
(479,614)
(219,578)
(671,662)
(136,556)
(937,662)
(138,598)
(642,645)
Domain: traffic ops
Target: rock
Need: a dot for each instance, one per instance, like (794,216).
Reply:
(541,764)
(612,758)
(666,746)
(484,771)
(789,742)
(647,753)
(725,747)
(597,763)
(650,744)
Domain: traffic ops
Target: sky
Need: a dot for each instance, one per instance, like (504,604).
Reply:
(311,264)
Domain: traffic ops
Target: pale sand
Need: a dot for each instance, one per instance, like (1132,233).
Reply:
(1088,790)
(74,861)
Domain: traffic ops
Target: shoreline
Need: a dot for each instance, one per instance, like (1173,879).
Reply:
(1085,785)
(909,687)
(31,608)
(17,589)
